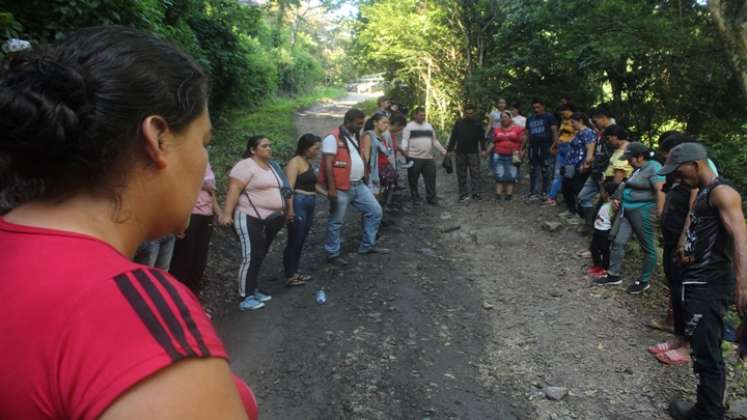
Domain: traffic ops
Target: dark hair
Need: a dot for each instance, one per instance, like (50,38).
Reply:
(516,104)
(378,116)
(72,113)
(305,142)
(381,99)
(354,114)
(565,107)
(610,187)
(538,101)
(668,140)
(600,111)
(617,131)
(501,99)
(398,118)
(580,116)
(469,107)
(252,143)
(418,110)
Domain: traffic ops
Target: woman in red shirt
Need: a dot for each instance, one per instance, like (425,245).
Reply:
(103,147)
(508,139)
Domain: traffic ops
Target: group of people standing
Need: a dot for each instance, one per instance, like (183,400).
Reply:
(618,189)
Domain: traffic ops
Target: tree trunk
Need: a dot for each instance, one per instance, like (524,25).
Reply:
(730,17)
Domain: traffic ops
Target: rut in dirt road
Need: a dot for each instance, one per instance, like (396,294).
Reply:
(474,313)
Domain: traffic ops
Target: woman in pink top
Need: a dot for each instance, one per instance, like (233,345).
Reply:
(256,207)
(508,139)
(191,250)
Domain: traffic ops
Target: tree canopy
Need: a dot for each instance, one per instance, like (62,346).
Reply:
(656,64)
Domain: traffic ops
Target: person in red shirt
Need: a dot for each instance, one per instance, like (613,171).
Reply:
(508,139)
(103,147)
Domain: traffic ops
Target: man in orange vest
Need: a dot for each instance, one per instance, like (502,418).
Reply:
(343,174)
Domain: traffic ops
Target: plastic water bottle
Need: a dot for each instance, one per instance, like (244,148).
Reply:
(321,297)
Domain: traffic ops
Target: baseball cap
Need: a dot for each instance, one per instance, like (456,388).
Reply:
(685,152)
(634,149)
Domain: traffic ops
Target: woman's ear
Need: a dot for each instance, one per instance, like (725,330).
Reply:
(154,129)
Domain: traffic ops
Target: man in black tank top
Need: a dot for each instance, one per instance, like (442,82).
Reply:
(709,275)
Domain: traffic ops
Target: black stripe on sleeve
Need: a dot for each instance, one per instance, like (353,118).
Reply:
(163,308)
(186,315)
(146,315)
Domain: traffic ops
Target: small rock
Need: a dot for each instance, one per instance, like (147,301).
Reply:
(552,226)
(451,229)
(487,306)
(556,393)
(556,294)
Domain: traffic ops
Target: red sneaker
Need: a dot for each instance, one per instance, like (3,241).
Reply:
(599,274)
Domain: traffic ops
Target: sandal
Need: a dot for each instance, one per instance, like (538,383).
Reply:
(304,277)
(673,357)
(661,347)
(657,324)
(295,281)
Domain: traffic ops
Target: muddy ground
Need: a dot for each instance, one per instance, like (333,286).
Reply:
(475,323)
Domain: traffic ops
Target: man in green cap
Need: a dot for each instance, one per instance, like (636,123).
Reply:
(709,275)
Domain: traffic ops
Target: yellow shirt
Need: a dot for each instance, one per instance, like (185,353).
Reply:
(618,165)
(566,132)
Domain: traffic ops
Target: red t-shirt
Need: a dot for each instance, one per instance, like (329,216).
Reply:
(82,324)
(507,141)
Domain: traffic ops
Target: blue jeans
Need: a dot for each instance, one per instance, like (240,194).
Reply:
(540,167)
(156,253)
(298,229)
(560,158)
(588,192)
(360,197)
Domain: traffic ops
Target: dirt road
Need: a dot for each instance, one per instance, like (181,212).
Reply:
(471,324)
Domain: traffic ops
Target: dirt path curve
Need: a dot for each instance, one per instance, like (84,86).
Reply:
(470,324)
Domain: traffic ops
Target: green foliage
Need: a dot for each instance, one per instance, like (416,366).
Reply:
(273,118)
(235,43)
(656,64)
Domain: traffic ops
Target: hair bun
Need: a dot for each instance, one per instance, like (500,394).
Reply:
(43,104)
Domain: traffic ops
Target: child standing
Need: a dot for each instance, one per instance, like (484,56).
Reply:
(600,241)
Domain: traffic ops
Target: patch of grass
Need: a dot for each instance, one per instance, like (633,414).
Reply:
(273,118)
(368,106)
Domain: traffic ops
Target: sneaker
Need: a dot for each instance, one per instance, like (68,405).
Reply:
(498,197)
(416,199)
(574,221)
(566,214)
(532,197)
(598,274)
(682,410)
(463,198)
(477,197)
(250,304)
(432,202)
(637,288)
(508,197)
(549,203)
(608,280)
(261,296)
(337,260)
(374,250)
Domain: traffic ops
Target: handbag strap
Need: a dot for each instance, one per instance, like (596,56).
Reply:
(280,187)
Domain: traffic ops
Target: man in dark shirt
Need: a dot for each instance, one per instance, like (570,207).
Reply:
(708,275)
(466,138)
(542,128)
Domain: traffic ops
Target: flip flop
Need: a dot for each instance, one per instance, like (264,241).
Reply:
(304,277)
(660,348)
(673,357)
(295,281)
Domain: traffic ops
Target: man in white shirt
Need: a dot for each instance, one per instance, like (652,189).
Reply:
(418,141)
(343,173)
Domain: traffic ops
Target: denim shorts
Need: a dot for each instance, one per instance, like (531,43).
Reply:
(505,170)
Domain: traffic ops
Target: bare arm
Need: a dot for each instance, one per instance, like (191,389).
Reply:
(729,204)
(235,187)
(683,235)
(660,198)
(327,162)
(590,149)
(555,135)
(217,210)
(173,394)
(366,148)
(291,172)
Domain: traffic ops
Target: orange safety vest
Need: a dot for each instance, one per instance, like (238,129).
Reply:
(340,166)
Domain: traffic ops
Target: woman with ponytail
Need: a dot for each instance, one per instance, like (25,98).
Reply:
(641,202)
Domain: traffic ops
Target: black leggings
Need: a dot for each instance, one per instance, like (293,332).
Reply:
(600,248)
(571,188)
(256,237)
(191,252)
